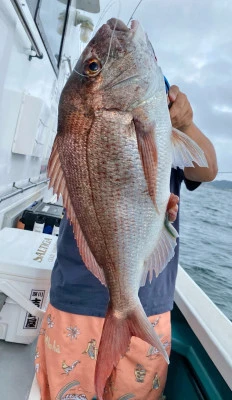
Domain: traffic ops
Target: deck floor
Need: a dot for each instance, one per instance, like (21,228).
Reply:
(17,372)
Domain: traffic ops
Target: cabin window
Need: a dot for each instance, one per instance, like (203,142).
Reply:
(50,18)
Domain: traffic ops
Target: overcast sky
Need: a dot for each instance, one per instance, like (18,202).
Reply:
(193,43)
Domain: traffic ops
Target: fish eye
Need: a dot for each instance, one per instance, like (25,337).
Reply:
(92,67)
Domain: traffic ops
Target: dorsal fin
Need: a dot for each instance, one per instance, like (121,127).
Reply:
(58,183)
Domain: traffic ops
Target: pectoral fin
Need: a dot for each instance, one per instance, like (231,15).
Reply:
(186,151)
(148,154)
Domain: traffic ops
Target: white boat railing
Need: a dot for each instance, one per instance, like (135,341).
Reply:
(210,325)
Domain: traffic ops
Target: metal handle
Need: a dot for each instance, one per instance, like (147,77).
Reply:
(30,36)
(68,60)
(20,299)
(22,189)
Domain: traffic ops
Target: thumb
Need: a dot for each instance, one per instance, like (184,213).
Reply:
(173,92)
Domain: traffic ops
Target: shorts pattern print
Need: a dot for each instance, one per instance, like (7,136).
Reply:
(66,356)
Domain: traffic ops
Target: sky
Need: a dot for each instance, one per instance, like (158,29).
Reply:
(193,43)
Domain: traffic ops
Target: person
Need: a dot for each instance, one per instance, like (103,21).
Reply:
(71,330)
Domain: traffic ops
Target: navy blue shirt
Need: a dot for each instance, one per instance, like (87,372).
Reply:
(76,290)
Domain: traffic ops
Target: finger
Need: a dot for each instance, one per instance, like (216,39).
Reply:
(171,217)
(172,213)
(173,202)
(177,107)
(183,119)
(173,92)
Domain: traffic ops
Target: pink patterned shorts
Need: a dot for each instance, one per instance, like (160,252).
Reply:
(66,356)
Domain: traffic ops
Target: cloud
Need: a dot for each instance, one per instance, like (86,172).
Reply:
(223,108)
(192,41)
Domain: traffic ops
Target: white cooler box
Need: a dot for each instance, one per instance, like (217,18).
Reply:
(26,261)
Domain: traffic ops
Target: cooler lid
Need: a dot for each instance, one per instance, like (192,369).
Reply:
(26,253)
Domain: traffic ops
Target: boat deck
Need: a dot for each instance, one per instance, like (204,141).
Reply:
(17,370)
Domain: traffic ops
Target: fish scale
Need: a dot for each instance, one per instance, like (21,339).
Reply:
(77,177)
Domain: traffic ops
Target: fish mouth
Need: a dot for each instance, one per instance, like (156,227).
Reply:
(126,35)
(118,25)
(138,32)
(134,25)
(133,33)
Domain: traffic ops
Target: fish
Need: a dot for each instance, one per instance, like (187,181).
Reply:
(111,162)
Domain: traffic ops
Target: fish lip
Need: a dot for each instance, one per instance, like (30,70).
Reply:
(118,25)
(134,25)
(126,34)
(137,31)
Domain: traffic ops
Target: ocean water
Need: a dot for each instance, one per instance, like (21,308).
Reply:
(206,242)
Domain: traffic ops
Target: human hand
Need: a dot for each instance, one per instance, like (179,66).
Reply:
(172,213)
(181,112)
(172,207)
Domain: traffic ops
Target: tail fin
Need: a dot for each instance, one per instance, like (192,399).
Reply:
(116,335)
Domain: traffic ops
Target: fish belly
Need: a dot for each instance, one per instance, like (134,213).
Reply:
(126,215)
